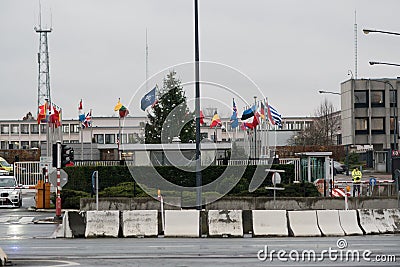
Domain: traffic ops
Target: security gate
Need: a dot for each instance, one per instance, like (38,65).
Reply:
(27,173)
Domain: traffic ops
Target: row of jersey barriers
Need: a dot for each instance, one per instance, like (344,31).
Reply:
(228,223)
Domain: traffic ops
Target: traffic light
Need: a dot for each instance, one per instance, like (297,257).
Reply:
(55,155)
(67,156)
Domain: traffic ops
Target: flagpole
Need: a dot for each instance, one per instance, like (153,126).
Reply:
(81,141)
(119,137)
(255,129)
(91,135)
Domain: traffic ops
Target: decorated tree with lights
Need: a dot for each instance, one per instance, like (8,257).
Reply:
(170,117)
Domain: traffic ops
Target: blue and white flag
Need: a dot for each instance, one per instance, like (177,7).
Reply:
(274,116)
(148,100)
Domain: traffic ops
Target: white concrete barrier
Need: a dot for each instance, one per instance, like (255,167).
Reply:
(383,222)
(67,232)
(182,223)
(225,222)
(329,223)
(367,221)
(349,222)
(270,223)
(304,223)
(394,218)
(104,223)
(139,223)
(3,258)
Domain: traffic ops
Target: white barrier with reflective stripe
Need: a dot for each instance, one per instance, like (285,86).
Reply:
(329,223)
(270,223)
(225,222)
(304,223)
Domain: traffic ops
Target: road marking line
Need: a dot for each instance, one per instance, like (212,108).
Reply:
(26,220)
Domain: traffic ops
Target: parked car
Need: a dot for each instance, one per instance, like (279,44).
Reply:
(339,167)
(5,166)
(10,192)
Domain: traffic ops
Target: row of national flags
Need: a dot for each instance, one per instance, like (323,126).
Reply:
(49,113)
(252,116)
(86,120)
(249,120)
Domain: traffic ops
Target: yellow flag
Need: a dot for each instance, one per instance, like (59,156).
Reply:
(118,106)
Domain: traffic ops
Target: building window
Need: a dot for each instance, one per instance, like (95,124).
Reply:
(34,144)
(4,144)
(14,145)
(361,125)
(131,138)
(110,139)
(74,128)
(5,129)
(99,139)
(24,144)
(34,129)
(65,128)
(377,98)
(378,125)
(14,129)
(43,128)
(24,128)
(360,99)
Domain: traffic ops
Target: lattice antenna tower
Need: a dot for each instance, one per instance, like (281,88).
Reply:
(355,46)
(44,63)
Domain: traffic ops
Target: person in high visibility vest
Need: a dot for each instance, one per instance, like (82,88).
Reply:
(357,175)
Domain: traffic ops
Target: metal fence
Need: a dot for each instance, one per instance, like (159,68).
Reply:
(27,173)
(245,162)
(103,163)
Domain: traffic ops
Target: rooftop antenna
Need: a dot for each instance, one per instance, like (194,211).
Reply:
(355,45)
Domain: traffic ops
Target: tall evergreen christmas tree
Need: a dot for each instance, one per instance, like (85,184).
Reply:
(171,116)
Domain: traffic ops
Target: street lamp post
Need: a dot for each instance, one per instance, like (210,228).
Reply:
(197,106)
(367,31)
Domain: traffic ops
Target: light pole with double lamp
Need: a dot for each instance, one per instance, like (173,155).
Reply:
(367,31)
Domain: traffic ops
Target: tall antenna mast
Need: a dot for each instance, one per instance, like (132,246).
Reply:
(44,70)
(43,61)
(147,62)
(355,45)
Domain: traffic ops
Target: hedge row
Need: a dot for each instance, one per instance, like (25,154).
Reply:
(79,178)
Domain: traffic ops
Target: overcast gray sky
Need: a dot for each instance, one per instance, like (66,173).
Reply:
(289,48)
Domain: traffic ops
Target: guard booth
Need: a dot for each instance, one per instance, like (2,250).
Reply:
(315,165)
